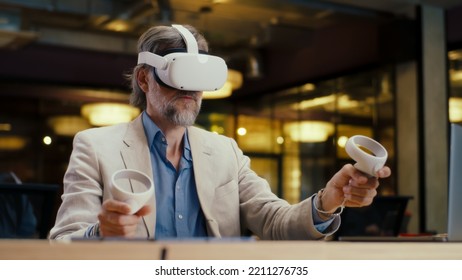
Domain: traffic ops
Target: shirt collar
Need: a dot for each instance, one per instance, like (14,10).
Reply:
(151,130)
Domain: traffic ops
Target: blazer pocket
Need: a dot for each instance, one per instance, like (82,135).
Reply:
(226,189)
(225,209)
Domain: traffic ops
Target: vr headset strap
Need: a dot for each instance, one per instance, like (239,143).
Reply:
(152,59)
(191,43)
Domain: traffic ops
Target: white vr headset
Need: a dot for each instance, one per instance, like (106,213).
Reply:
(190,70)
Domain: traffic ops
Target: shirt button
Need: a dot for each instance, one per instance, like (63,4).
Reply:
(180,216)
(163,139)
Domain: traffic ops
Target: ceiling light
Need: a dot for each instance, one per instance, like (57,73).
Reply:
(68,125)
(233,82)
(310,131)
(12,143)
(328,103)
(308,87)
(456,75)
(102,114)
(455,55)
(5,127)
(315,102)
(118,25)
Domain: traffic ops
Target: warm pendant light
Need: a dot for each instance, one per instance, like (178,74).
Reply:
(310,131)
(68,125)
(12,143)
(103,114)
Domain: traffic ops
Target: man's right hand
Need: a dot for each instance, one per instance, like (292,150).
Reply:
(115,220)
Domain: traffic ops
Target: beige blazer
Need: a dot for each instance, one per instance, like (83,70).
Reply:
(232,196)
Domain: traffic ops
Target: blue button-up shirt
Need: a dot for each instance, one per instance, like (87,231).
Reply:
(178,211)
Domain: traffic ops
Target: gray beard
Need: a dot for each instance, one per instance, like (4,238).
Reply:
(185,117)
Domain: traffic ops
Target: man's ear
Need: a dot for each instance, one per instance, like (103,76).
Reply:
(142,77)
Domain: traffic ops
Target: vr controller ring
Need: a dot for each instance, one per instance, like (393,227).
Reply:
(366,162)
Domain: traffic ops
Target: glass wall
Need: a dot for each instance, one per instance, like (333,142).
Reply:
(295,137)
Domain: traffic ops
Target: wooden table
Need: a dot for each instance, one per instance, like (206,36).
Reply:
(200,250)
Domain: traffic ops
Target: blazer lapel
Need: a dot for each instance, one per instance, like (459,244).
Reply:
(202,154)
(135,155)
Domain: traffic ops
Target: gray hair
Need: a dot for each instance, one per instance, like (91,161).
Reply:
(158,39)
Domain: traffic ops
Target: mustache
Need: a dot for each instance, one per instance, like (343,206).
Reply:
(191,94)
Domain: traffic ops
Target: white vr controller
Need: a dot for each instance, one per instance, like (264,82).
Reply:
(132,187)
(366,162)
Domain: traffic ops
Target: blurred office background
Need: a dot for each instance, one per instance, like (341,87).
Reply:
(304,76)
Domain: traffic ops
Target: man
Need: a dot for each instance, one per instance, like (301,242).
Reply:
(17,217)
(204,186)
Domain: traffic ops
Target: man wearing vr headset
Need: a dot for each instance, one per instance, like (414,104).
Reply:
(204,186)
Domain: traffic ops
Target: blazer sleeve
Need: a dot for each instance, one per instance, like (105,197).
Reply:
(83,191)
(268,216)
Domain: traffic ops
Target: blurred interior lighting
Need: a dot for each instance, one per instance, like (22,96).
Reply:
(103,114)
(5,127)
(341,142)
(118,26)
(328,102)
(455,75)
(47,140)
(310,131)
(455,109)
(68,125)
(241,131)
(233,82)
(308,87)
(12,143)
